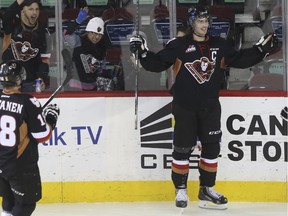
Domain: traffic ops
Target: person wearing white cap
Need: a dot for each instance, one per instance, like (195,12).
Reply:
(95,25)
(89,57)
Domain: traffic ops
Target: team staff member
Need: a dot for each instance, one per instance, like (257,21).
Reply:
(25,41)
(23,124)
(198,60)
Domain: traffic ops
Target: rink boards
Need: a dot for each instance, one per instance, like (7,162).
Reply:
(96,154)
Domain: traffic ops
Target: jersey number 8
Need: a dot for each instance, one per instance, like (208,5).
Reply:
(7,131)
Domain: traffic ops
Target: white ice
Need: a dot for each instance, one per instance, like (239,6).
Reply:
(158,209)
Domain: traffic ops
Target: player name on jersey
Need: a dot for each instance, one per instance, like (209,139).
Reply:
(11,106)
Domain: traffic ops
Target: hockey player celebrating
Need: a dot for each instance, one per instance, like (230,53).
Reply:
(23,124)
(198,61)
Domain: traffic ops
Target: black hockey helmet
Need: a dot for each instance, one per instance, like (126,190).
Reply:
(11,72)
(198,12)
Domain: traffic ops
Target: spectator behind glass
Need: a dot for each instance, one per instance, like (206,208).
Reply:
(89,52)
(24,40)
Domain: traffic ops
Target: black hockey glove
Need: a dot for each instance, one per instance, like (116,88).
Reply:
(284,113)
(51,113)
(267,43)
(138,43)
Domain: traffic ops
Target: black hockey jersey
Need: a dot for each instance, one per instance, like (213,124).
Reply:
(22,128)
(89,59)
(25,44)
(199,67)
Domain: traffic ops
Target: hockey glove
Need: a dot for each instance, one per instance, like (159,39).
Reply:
(284,113)
(267,43)
(51,113)
(138,44)
(82,16)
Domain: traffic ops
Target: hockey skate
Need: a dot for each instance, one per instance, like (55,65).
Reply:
(210,199)
(181,198)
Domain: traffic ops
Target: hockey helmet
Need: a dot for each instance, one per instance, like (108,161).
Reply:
(198,12)
(11,72)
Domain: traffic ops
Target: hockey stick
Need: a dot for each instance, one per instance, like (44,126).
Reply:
(69,67)
(137,67)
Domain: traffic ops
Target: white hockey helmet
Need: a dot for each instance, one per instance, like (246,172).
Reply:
(96,25)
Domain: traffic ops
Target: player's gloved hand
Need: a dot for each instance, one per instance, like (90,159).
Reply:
(284,113)
(138,44)
(51,113)
(82,16)
(267,43)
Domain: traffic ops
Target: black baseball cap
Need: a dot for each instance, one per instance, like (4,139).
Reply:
(29,2)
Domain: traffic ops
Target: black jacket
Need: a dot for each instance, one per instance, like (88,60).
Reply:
(89,59)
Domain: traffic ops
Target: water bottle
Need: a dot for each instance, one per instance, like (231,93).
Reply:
(38,85)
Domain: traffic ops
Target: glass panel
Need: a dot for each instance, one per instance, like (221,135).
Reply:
(276,67)
(277,27)
(188,1)
(119,32)
(143,2)
(256,21)
(162,29)
(234,1)
(250,22)
(48,3)
(55,69)
(97,2)
(219,28)
(5,3)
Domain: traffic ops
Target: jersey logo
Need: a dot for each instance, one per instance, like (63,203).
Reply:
(23,51)
(35,101)
(191,48)
(201,70)
(91,64)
